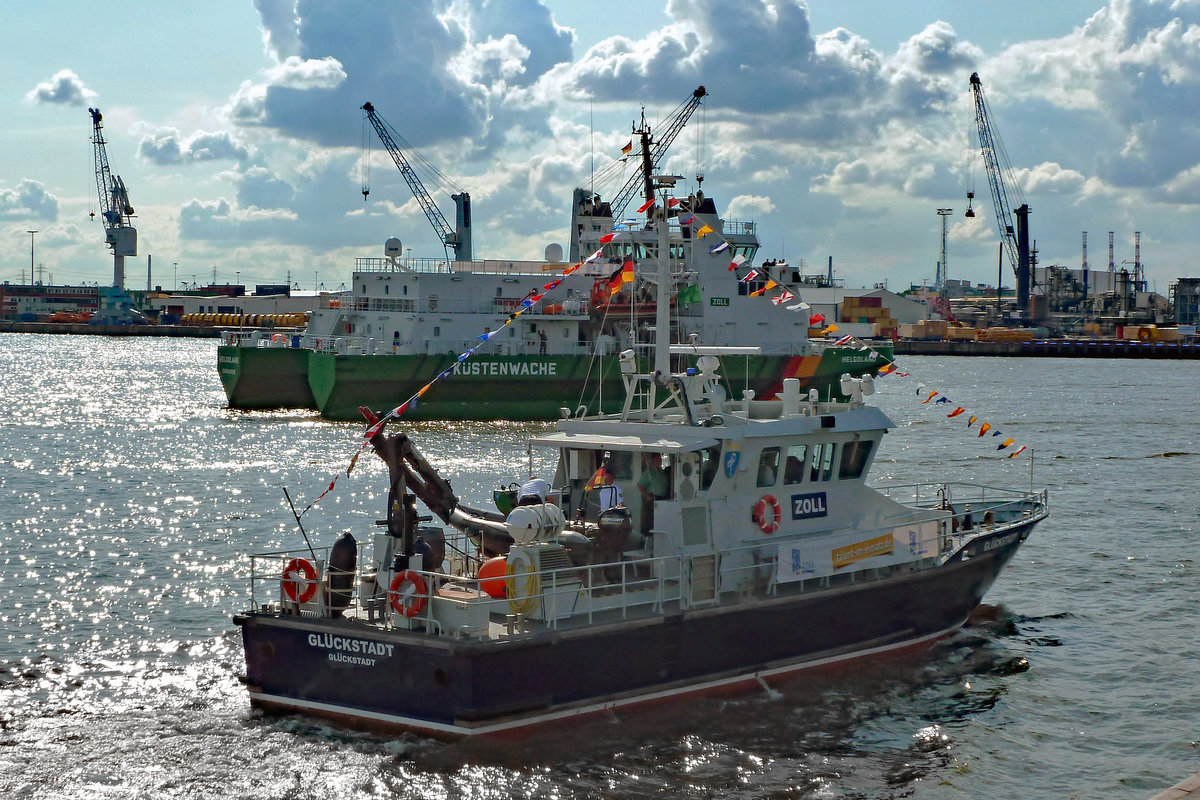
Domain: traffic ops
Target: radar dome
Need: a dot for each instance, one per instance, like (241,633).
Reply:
(554,253)
(392,248)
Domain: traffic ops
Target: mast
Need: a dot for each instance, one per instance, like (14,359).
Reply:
(662,309)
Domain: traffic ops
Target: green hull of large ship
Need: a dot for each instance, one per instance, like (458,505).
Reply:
(536,387)
(265,377)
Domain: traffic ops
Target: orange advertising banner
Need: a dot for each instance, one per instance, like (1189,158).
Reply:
(879,546)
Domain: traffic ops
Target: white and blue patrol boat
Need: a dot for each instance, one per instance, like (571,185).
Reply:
(750,546)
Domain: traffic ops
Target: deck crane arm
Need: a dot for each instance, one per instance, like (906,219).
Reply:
(1015,238)
(115,209)
(641,178)
(457,238)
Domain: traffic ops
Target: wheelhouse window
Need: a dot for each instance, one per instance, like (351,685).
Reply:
(854,459)
(822,462)
(768,467)
(620,464)
(710,463)
(793,468)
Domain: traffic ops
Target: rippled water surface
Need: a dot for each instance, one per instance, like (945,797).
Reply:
(130,495)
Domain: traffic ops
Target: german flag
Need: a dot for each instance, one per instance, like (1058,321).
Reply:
(621,277)
(601,478)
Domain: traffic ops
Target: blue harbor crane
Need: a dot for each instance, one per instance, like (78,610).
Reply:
(1014,238)
(115,209)
(458,238)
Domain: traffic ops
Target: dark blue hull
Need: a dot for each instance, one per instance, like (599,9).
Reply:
(444,686)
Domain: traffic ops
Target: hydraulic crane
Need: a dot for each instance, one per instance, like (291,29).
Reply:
(650,158)
(460,237)
(115,209)
(1015,239)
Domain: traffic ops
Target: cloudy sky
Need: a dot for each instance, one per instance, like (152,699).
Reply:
(839,127)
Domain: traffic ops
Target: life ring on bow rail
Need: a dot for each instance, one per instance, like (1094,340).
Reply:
(407,593)
(768,514)
(300,580)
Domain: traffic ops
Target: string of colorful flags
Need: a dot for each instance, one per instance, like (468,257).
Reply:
(786,295)
(616,281)
(625,274)
(935,398)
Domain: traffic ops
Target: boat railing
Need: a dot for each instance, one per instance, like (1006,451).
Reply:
(464,602)
(300,582)
(959,507)
(371,346)
(441,265)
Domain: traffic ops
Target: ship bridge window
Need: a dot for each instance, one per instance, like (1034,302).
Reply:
(822,462)
(710,462)
(620,464)
(793,468)
(854,459)
(768,467)
(387,288)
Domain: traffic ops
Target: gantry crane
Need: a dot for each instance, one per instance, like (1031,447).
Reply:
(460,237)
(115,209)
(650,158)
(995,159)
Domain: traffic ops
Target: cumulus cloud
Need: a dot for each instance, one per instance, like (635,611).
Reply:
(1131,73)
(761,59)
(310,209)
(64,88)
(260,189)
(436,70)
(937,50)
(747,206)
(789,109)
(1050,178)
(29,200)
(1183,188)
(167,147)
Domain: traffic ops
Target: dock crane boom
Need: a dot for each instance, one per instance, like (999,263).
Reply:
(115,209)
(1015,239)
(460,237)
(650,158)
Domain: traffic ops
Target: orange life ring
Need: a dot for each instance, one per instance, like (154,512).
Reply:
(1144,334)
(292,580)
(401,602)
(768,514)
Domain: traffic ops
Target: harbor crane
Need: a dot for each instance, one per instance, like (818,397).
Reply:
(115,210)
(650,158)
(458,238)
(1014,238)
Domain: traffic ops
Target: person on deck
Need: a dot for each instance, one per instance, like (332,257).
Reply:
(654,484)
(533,493)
